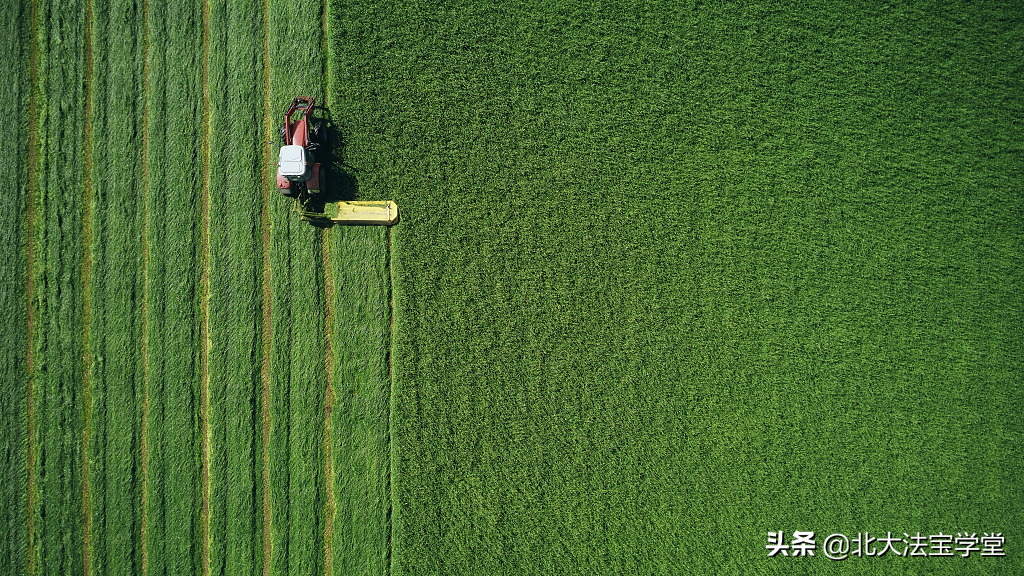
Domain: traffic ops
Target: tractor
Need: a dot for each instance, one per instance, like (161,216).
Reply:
(301,177)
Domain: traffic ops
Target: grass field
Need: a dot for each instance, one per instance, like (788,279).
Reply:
(669,277)
(15,356)
(673,276)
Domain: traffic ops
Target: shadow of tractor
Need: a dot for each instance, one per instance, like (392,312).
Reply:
(338,180)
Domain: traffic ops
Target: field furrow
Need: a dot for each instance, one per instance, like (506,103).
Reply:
(326,248)
(57,301)
(15,44)
(173,292)
(236,272)
(144,305)
(297,366)
(266,295)
(116,374)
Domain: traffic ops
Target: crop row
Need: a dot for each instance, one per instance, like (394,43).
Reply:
(57,299)
(115,230)
(235,306)
(361,337)
(173,237)
(14,96)
(359,419)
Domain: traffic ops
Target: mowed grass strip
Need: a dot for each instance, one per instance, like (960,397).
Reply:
(669,279)
(174,543)
(115,379)
(236,106)
(359,420)
(360,335)
(57,301)
(14,95)
(297,276)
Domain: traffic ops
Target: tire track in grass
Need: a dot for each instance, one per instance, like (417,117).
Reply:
(391,404)
(329,506)
(204,302)
(266,291)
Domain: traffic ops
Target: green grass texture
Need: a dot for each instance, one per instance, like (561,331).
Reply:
(673,275)
(14,95)
(173,232)
(298,368)
(115,388)
(57,385)
(360,415)
(361,262)
(236,275)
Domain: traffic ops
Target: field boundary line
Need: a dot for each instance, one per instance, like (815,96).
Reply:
(391,403)
(30,216)
(267,322)
(204,302)
(87,197)
(144,352)
(330,505)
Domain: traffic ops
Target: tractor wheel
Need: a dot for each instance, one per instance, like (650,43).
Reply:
(318,133)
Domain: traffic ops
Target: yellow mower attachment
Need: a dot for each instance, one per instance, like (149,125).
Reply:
(380,212)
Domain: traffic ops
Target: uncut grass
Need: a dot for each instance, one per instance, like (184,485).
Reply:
(298,373)
(14,95)
(173,212)
(669,279)
(115,382)
(236,97)
(57,298)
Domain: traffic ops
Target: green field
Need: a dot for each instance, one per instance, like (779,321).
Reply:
(669,277)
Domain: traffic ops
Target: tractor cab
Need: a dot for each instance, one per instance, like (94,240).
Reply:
(295,163)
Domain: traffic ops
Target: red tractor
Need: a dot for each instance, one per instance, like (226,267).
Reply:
(300,176)
(298,172)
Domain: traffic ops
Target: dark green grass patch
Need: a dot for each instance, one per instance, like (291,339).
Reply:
(14,95)
(115,380)
(236,271)
(57,299)
(671,277)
